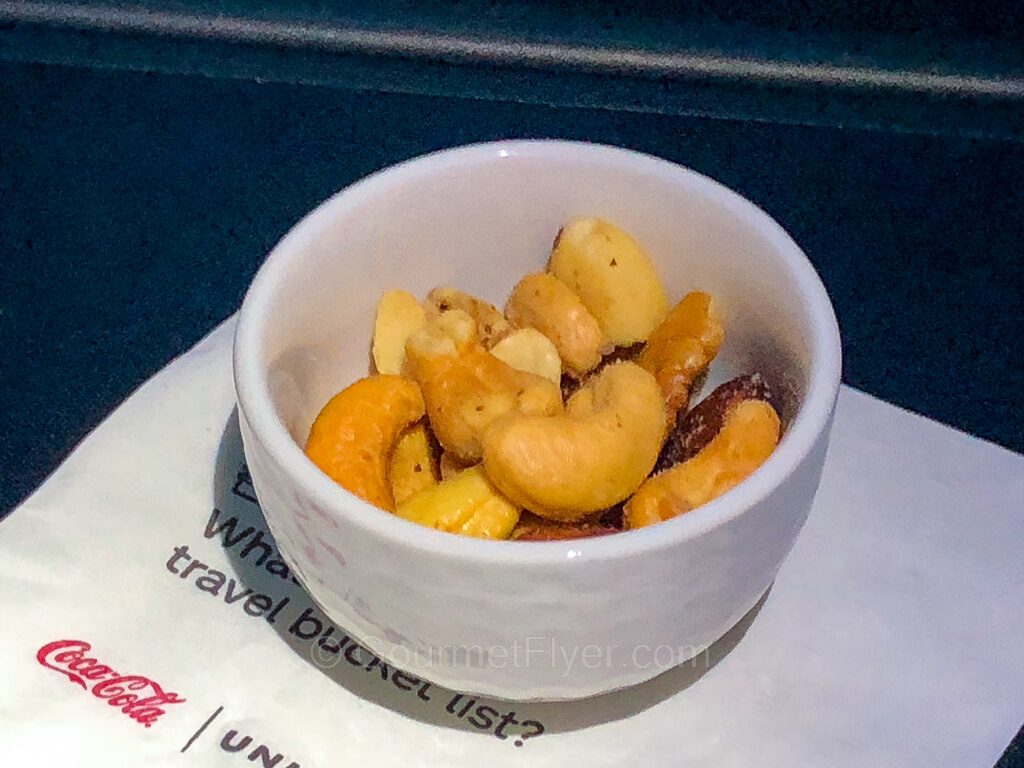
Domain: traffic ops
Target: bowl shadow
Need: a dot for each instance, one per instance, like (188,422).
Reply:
(239,527)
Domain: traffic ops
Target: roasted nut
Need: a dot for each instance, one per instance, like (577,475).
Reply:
(465,387)
(569,466)
(491,325)
(449,333)
(613,276)
(353,438)
(414,466)
(571,385)
(527,349)
(466,504)
(544,302)
(532,527)
(682,347)
(749,434)
(696,429)
(399,313)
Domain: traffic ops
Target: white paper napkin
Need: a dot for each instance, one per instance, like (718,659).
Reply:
(892,636)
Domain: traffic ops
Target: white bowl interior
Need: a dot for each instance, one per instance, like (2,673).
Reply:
(480,218)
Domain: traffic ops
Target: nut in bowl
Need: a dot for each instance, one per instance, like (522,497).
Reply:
(558,618)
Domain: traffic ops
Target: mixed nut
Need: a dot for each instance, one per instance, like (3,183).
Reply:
(565,415)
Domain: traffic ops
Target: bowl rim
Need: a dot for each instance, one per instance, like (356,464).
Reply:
(809,423)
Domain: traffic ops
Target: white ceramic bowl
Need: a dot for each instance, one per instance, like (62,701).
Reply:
(519,620)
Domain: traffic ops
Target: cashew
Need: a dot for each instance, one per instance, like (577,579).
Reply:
(466,504)
(544,302)
(682,347)
(398,314)
(490,323)
(613,276)
(465,387)
(414,466)
(565,467)
(749,434)
(353,438)
(527,349)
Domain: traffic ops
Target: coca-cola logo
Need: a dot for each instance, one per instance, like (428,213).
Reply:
(137,696)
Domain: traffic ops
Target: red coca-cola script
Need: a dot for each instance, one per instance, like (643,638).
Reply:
(138,696)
